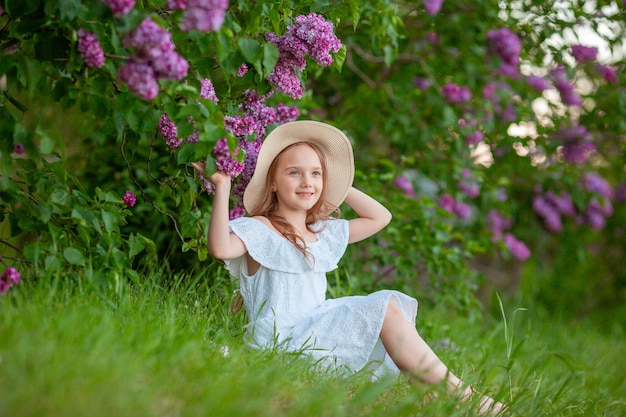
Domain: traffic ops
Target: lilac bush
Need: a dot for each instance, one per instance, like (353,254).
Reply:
(89,49)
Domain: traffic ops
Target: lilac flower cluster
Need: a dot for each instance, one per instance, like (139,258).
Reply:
(474,138)
(207,90)
(129,198)
(452,205)
(308,35)
(177,4)
(595,214)
(421,83)
(468,184)
(576,143)
(498,224)
(203,15)
(609,74)
(119,7)
(507,46)
(243,69)
(90,50)
(455,94)
(9,277)
(539,84)
(594,183)
(154,58)
(550,207)
(169,131)
(584,54)
(517,248)
(404,184)
(433,7)
(565,87)
(19,149)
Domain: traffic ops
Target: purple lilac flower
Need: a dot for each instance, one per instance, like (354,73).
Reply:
(501,194)
(177,4)
(454,93)
(507,46)
(432,37)
(167,64)
(565,87)
(230,166)
(584,54)
(539,84)
(119,7)
(140,79)
(207,90)
(129,199)
(548,213)
(206,184)
(433,6)
(310,34)
(468,185)
(242,70)
(404,184)
(446,202)
(594,215)
(286,114)
(19,149)
(576,142)
(239,125)
(451,205)
(596,184)
(236,212)
(421,83)
(474,138)
(9,277)
(518,249)
(90,50)
(561,202)
(204,15)
(169,131)
(608,73)
(497,224)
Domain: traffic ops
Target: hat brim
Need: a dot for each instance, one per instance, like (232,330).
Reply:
(333,143)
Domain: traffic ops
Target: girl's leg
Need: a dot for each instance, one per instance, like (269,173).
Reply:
(411,354)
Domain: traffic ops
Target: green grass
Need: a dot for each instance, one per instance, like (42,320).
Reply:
(155,351)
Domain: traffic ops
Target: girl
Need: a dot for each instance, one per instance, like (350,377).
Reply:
(281,254)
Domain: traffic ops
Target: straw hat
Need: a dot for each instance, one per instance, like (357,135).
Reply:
(333,143)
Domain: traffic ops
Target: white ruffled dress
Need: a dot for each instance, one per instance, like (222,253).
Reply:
(286,303)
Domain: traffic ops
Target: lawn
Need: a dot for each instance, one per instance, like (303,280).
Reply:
(175,350)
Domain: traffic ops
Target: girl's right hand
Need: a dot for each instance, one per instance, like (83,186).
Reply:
(218,178)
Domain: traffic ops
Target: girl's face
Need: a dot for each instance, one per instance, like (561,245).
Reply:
(298,182)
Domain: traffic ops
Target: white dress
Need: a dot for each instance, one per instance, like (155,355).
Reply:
(286,303)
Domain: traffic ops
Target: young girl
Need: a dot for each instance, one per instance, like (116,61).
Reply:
(282,252)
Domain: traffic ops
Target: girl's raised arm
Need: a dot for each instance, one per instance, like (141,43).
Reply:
(222,244)
(373,216)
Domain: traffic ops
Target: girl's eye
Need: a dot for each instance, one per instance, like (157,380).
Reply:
(293,173)
(317,173)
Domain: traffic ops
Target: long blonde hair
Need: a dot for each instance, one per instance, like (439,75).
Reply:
(269,203)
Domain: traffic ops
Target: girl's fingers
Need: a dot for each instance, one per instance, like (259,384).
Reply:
(198,167)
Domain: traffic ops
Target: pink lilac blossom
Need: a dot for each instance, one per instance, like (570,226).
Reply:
(539,84)
(432,37)
(19,149)
(404,184)
(562,202)
(497,224)
(90,50)
(9,277)
(140,78)
(207,90)
(129,199)
(565,87)
(451,205)
(236,212)
(243,69)
(169,131)
(518,249)
(594,183)
(309,35)
(455,94)
(177,4)
(548,213)
(432,7)
(204,15)
(609,74)
(595,215)
(119,7)
(584,54)
(154,58)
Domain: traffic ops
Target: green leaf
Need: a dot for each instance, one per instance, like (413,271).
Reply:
(136,245)
(251,51)
(193,152)
(270,57)
(110,221)
(74,256)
